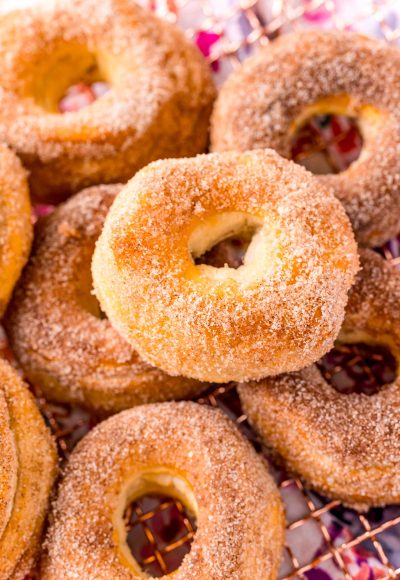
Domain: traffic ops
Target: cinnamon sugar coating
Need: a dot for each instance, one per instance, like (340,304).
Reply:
(237,501)
(324,72)
(281,310)
(158,106)
(15,223)
(28,465)
(55,325)
(345,445)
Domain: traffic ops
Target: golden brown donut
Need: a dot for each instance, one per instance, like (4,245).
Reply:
(158,106)
(56,328)
(183,450)
(345,445)
(28,465)
(313,73)
(278,311)
(15,223)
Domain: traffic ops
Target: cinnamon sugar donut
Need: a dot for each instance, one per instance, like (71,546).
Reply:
(28,462)
(304,74)
(183,450)
(15,223)
(158,106)
(345,445)
(56,328)
(280,310)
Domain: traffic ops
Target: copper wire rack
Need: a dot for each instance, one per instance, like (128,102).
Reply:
(262,21)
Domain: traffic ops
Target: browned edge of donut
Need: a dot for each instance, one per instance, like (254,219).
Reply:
(55,326)
(159,105)
(15,223)
(236,498)
(261,103)
(31,474)
(275,315)
(345,445)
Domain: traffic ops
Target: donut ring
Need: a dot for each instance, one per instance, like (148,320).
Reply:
(158,106)
(55,327)
(345,445)
(222,324)
(316,73)
(183,450)
(28,465)
(15,223)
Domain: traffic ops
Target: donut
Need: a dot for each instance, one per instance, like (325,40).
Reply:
(183,450)
(281,309)
(57,331)
(28,465)
(304,74)
(158,104)
(345,445)
(15,223)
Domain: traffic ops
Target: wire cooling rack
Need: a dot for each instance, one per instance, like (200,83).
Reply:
(237,27)
(324,539)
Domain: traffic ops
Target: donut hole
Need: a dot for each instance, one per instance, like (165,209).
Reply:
(329,135)
(156,522)
(70,78)
(230,246)
(327,143)
(85,295)
(229,252)
(82,95)
(359,367)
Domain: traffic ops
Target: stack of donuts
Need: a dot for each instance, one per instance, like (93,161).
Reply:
(164,268)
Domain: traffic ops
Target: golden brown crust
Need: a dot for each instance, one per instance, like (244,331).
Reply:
(157,108)
(347,446)
(29,475)
(55,327)
(259,104)
(15,223)
(286,309)
(236,498)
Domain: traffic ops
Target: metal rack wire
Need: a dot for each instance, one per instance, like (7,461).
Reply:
(146,520)
(262,21)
